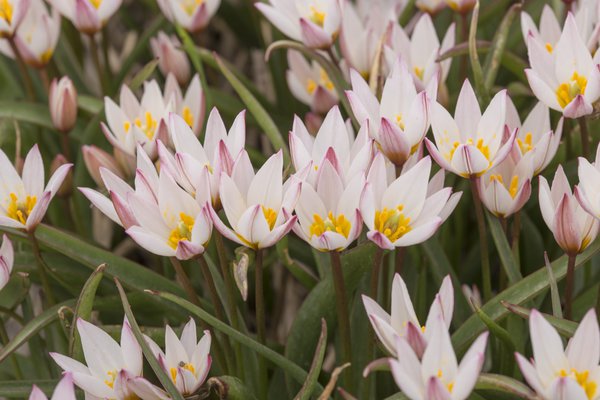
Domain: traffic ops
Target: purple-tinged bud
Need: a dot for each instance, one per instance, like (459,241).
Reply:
(95,158)
(63,104)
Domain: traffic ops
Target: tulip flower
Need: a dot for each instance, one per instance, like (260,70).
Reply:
(461,6)
(218,154)
(535,135)
(568,79)
(88,16)
(64,390)
(471,143)
(12,13)
(258,210)
(332,142)
(62,100)
(37,35)
(399,122)
(397,217)
(588,190)
(403,322)
(105,360)
(186,360)
(191,106)
(310,84)
(438,375)
(315,23)
(171,59)
(95,158)
(25,200)
(7,259)
(192,15)
(421,50)
(431,6)
(558,373)
(505,189)
(328,213)
(573,228)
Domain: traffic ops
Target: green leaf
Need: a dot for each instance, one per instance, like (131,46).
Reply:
(504,384)
(497,330)
(554,294)
(297,373)
(33,113)
(504,251)
(90,104)
(256,109)
(564,327)
(143,75)
(474,57)
(22,389)
(309,385)
(302,273)
(33,327)
(190,49)
(164,379)
(230,388)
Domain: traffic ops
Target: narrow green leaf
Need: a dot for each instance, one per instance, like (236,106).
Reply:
(22,389)
(554,294)
(33,327)
(89,104)
(164,379)
(309,385)
(36,114)
(564,327)
(504,384)
(143,75)
(474,57)
(504,251)
(190,49)
(230,388)
(496,330)
(304,275)
(83,309)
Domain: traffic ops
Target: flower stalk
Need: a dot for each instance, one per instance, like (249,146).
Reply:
(486,275)
(342,311)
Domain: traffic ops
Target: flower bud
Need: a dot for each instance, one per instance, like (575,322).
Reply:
(63,104)
(66,188)
(95,158)
(171,59)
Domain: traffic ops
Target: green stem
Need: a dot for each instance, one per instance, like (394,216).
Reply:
(483,243)
(5,340)
(585,137)
(97,64)
(43,269)
(22,69)
(570,286)
(516,235)
(399,255)
(464,60)
(259,301)
(342,313)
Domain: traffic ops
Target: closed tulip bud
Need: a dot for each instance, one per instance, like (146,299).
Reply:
(94,158)
(67,186)
(63,104)
(171,59)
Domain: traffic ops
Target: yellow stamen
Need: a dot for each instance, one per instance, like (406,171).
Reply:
(270,216)
(46,56)
(450,154)
(183,365)
(6,11)
(453,5)
(525,144)
(514,186)
(183,231)
(582,378)
(127,126)
(20,211)
(339,224)
(325,81)
(419,72)
(400,121)
(190,6)
(311,86)
(188,116)
(567,91)
(317,16)
(392,223)
(549,48)
(112,376)
(149,126)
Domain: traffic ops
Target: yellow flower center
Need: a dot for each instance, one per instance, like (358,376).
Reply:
(183,231)
(46,56)
(20,211)
(549,48)
(96,3)
(317,16)
(400,121)
(453,5)
(449,385)
(183,365)
(270,216)
(525,144)
(582,378)
(567,91)
(485,150)
(6,11)
(188,116)
(148,126)
(514,183)
(339,224)
(112,376)
(392,223)
(311,84)
(419,72)
(190,6)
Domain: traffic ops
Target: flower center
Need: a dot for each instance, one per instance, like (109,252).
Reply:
(419,72)
(582,378)
(183,365)
(339,224)
(6,11)
(270,216)
(20,211)
(112,376)
(549,48)
(400,121)
(96,3)
(514,183)
(188,116)
(317,16)
(148,126)
(190,6)
(311,84)
(485,150)
(183,231)
(567,91)
(525,144)
(392,223)
(449,385)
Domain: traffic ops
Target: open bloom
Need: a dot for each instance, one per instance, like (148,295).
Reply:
(568,79)
(398,122)
(105,360)
(403,322)
(333,141)
(438,375)
(191,106)
(7,258)
(505,189)
(64,390)
(37,35)
(397,217)
(470,143)
(24,199)
(258,210)
(557,373)
(192,15)
(573,228)
(588,190)
(88,16)
(12,13)
(187,361)
(535,134)
(171,59)
(421,51)
(309,83)
(314,22)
